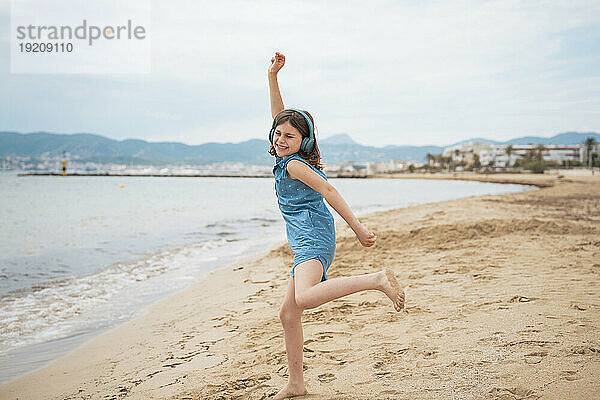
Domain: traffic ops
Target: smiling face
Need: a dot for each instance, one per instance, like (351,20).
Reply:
(286,139)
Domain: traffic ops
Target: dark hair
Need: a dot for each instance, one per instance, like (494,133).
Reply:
(297,121)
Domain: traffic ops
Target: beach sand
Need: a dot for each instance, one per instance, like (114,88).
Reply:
(502,301)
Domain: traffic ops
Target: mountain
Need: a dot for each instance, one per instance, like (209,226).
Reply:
(96,148)
(337,153)
(562,138)
(565,138)
(478,140)
(341,147)
(342,138)
(334,149)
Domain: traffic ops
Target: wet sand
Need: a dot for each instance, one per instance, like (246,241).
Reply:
(502,302)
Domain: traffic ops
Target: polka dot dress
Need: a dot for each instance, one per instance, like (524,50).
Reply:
(310,226)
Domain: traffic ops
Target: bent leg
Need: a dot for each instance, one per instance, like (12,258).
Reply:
(310,292)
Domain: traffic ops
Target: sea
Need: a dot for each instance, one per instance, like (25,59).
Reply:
(81,255)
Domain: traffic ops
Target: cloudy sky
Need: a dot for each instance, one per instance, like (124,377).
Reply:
(384,72)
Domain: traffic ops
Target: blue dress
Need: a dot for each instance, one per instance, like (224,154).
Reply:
(310,227)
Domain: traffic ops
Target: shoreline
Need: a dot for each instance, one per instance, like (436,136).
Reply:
(539,180)
(28,358)
(502,177)
(165,352)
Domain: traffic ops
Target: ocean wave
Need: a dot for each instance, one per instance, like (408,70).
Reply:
(237,222)
(47,310)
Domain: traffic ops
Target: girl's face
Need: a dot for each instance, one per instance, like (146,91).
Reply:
(286,139)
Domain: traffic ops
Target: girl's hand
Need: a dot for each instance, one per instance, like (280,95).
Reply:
(277,63)
(365,237)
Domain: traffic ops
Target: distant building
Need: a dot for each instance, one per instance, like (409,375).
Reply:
(388,167)
(496,155)
(347,169)
(361,169)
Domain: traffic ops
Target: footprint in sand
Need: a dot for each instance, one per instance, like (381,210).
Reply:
(429,354)
(535,357)
(378,366)
(513,394)
(344,308)
(520,299)
(483,277)
(370,304)
(570,375)
(327,377)
(334,359)
(579,307)
(584,350)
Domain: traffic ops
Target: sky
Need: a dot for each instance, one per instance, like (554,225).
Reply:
(383,72)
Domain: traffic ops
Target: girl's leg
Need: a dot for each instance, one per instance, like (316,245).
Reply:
(310,292)
(291,319)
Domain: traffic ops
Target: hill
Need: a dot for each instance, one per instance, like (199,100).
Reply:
(334,149)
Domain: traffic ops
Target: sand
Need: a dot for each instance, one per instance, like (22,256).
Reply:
(502,302)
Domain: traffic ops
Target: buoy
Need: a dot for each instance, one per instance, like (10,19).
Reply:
(122,186)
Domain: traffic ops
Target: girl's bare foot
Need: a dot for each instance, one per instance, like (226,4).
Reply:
(291,390)
(390,286)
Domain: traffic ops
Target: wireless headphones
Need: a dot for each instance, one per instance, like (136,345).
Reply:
(308,143)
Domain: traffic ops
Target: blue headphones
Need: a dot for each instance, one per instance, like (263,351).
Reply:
(308,143)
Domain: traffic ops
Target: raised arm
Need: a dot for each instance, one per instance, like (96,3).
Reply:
(277,63)
(300,171)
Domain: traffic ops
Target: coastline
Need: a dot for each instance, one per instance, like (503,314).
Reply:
(484,247)
(539,180)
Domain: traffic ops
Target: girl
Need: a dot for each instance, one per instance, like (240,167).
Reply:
(301,186)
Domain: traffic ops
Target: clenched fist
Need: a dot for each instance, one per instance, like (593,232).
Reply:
(277,63)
